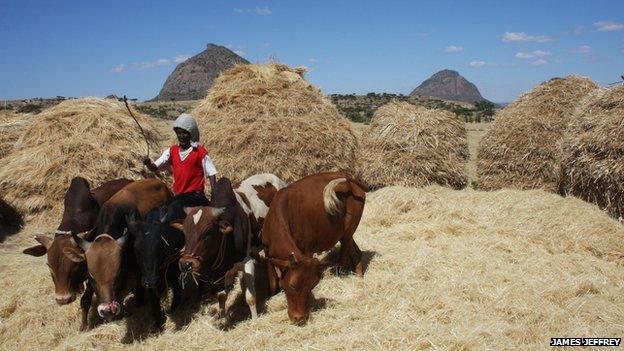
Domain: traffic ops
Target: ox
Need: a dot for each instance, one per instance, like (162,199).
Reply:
(219,237)
(111,266)
(307,217)
(157,249)
(81,207)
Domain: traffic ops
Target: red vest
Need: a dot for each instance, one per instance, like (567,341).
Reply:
(188,175)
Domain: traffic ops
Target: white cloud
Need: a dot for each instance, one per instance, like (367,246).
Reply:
(263,11)
(150,64)
(522,36)
(239,52)
(180,58)
(119,68)
(312,60)
(532,54)
(453,48)
(583,49)
(604,26)
(162,62)
(539,62)
(477,63)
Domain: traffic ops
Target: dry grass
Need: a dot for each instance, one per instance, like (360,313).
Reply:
(268,118)
(12,126)
(593,162)
(446,269)
(520,149)
(474,133)
(413,146)
(93,138)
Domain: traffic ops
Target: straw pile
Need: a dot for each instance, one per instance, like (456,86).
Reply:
(12,125)
(268,118)
(446,269)
(593,161)
(413,146)
(93,138)
(520,149)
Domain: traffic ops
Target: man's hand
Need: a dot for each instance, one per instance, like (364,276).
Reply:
(149,164)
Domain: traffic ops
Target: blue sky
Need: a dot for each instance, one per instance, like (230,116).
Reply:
(88,47)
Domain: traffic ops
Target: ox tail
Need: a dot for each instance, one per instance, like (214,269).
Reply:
(332,203)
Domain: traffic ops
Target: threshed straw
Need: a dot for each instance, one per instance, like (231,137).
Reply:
(12,126)
(413,146)
(90,137)
(446,270)
(268,118)
(593,151)
(520,149)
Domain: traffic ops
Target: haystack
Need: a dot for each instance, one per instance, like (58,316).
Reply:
(445,270)
(593,151)
(268,118)
(520,149)
(12,126)
(91,137)
(413,146)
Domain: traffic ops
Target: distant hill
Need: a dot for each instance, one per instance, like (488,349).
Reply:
(191,79)
(448,85)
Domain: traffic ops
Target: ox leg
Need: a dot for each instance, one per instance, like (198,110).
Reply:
(85,306)
(157,313)
(248,285)
(228,285)
(356,258)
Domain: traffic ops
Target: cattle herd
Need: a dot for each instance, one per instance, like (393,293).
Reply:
(136,237)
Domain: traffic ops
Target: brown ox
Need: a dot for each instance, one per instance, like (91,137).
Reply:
(81,207)
(110,261)
(307,217)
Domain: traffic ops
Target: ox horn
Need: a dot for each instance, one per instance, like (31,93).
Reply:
(122,240)
(82,243)
(217,211)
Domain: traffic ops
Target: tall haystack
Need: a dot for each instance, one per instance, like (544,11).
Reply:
(593,151)
(268,118)
(12,126)
(520,149)
(413,146)
(91,137)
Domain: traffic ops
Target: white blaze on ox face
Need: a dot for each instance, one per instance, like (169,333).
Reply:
(197,216)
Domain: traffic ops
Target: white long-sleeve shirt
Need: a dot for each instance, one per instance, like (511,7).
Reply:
(164,161)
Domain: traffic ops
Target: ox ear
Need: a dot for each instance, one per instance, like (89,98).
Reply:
(74,254)
(40,250)
(177,224)
(37,250)
(225,227)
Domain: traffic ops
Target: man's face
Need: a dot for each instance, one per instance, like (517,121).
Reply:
(184,137)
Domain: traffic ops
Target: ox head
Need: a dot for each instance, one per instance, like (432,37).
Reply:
(205,230)
(149,245)
(104,258)
(67,275)
(299,277)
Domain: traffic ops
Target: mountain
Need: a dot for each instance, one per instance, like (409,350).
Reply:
(448,85)
(191,79)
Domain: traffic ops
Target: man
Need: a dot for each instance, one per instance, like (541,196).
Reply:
(188,160)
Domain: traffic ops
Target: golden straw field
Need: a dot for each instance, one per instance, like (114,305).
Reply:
(446,269)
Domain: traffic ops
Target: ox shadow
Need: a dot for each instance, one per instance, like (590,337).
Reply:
(333,257)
